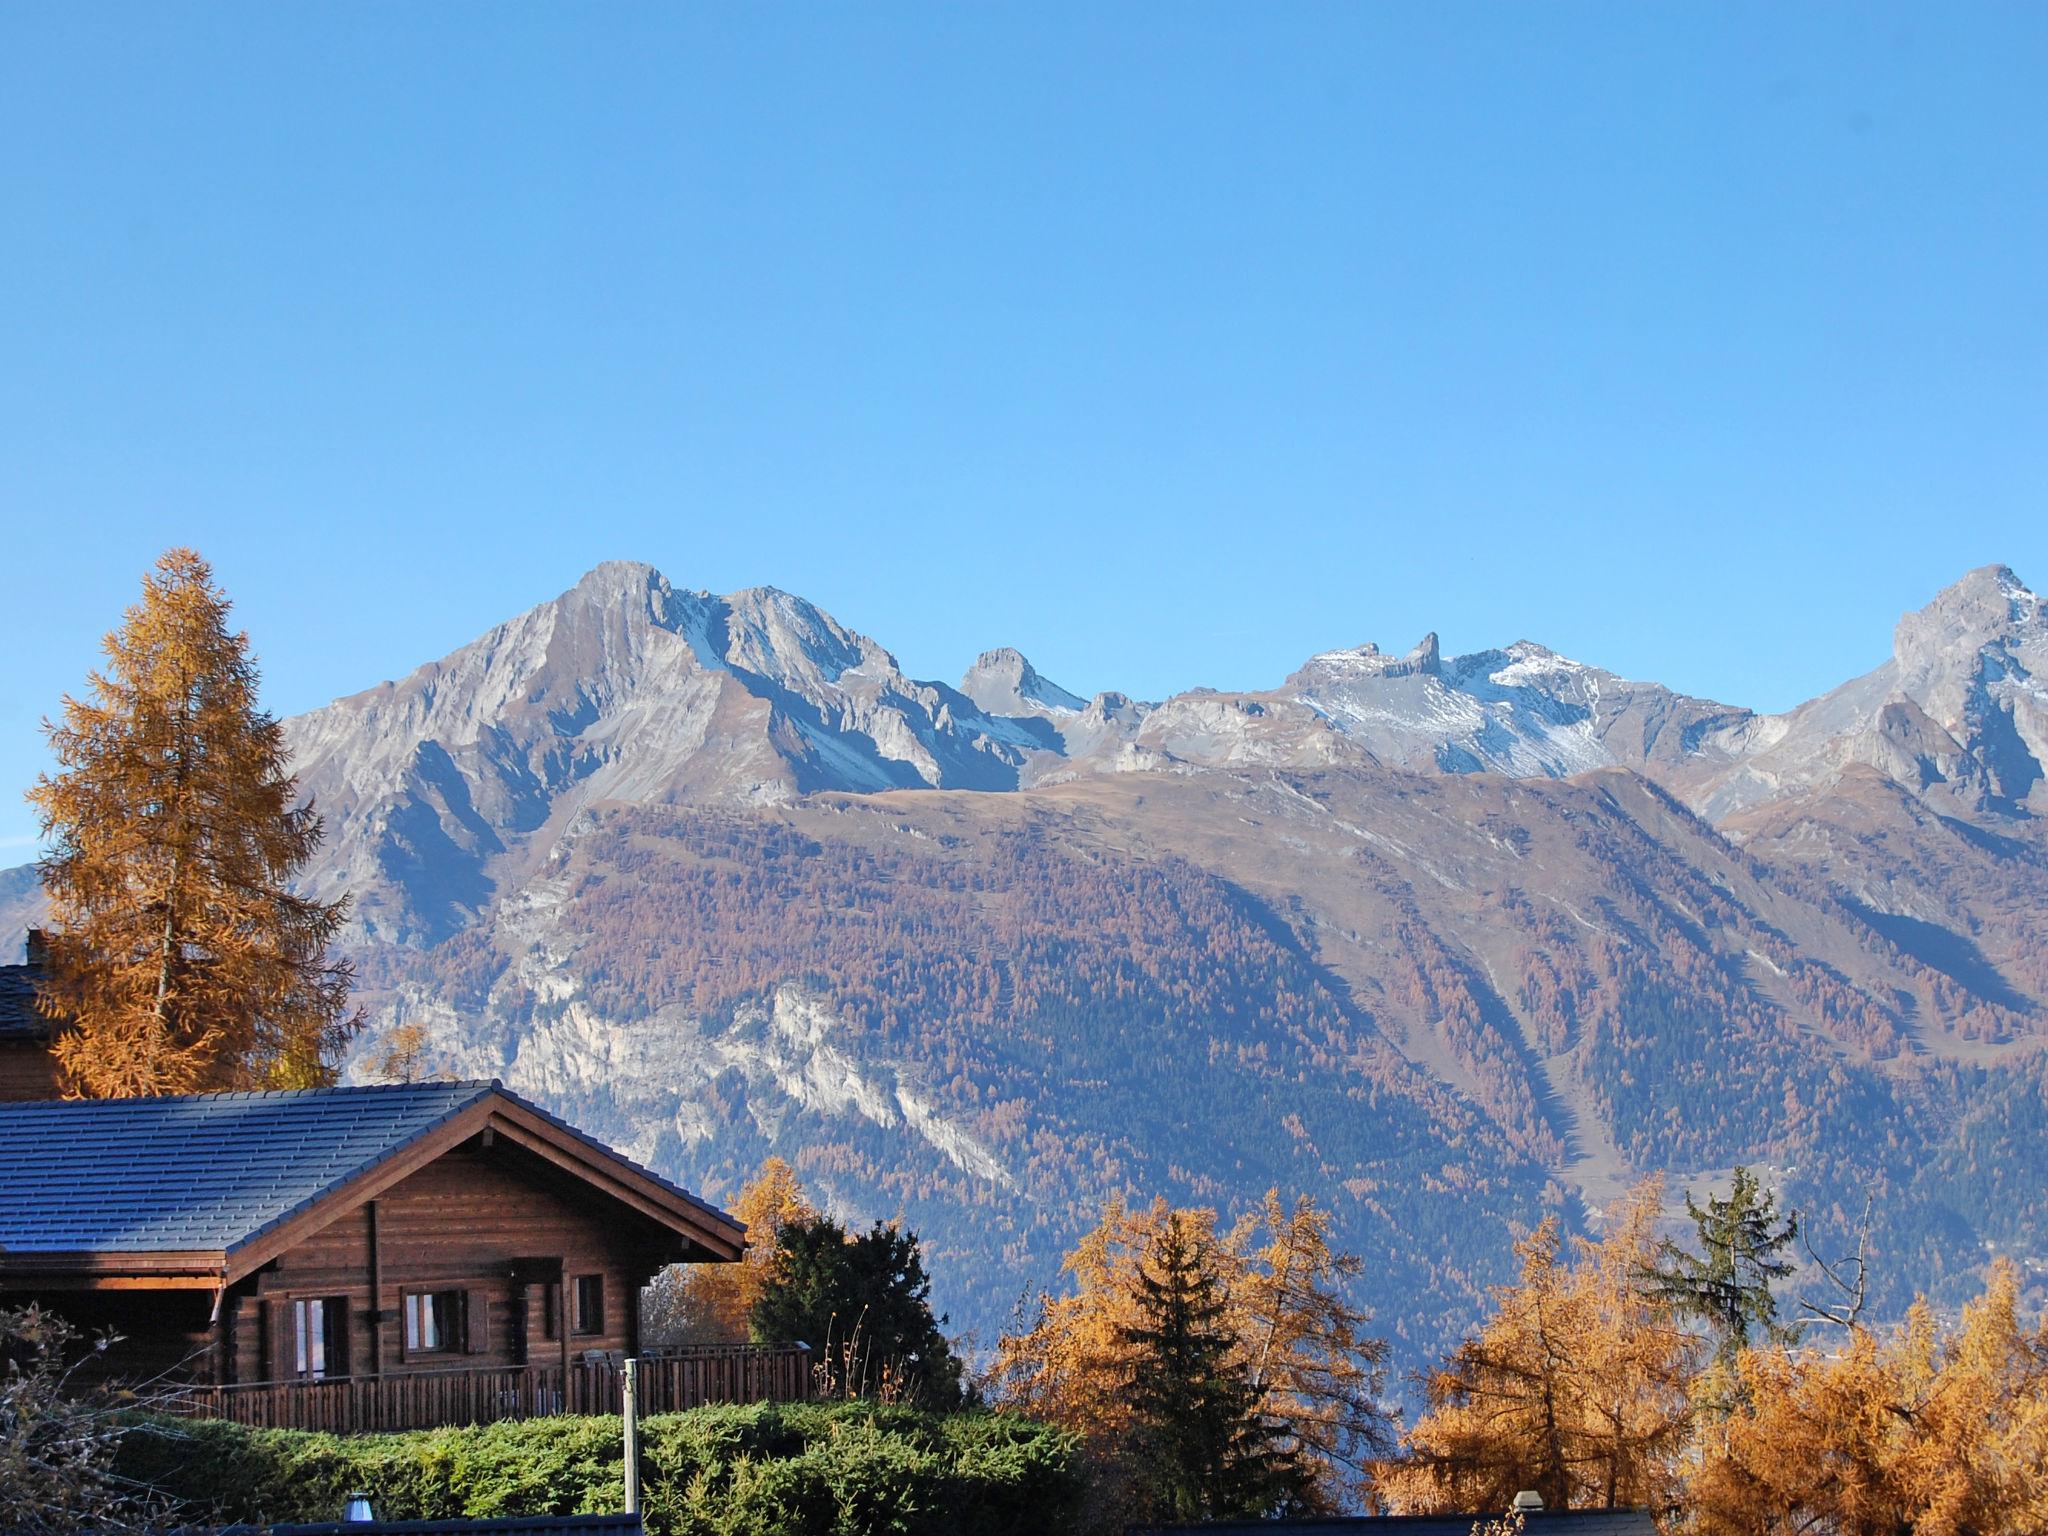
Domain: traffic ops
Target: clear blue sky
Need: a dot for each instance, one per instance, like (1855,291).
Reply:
(1169,343)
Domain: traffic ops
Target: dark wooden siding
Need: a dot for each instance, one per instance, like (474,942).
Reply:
(460,1224)
(27,1071)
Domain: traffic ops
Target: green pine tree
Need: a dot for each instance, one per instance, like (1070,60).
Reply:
(1727,1285)
(863,1304)
(1206,1450)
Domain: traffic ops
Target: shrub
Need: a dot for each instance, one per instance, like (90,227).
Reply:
(760,1470)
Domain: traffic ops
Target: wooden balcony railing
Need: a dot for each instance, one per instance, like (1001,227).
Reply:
(739,1373)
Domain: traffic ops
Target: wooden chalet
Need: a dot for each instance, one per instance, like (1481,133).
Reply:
(359,1258)
(27,1069)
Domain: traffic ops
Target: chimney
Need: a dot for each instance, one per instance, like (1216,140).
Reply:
(357,1511)
(1529,1502)
(38,949)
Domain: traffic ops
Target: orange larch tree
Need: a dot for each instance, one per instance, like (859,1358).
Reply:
(692,1304)
(181,959)
(1576,1387)
(1915,1428)
(1315,1374)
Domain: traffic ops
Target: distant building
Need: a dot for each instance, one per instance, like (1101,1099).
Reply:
(27,1069)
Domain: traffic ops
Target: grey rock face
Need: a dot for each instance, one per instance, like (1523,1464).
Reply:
(623,688)
(1959,712)
(1003,682)
(1526,712)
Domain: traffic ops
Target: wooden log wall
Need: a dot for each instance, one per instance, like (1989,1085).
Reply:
(28,1071)
(457,1224)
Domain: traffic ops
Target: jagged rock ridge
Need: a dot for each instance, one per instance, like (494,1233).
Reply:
(654,855)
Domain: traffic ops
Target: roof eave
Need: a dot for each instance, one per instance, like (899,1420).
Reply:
(100,1268)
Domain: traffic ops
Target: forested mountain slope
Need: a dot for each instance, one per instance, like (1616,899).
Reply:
(1446,941)
(1434,1001)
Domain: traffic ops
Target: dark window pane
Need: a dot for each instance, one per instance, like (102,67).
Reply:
(433,1321)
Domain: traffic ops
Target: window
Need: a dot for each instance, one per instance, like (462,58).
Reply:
(433,1322)
(551,1310)
(319,1337)
(590,1303)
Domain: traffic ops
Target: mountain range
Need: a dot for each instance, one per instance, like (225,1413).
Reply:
(1448,941)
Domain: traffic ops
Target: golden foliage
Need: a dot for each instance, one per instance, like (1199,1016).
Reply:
(1073,1366)
(1940,1433)
(1576,1387)
(180,956)
(1316,1377)
(404,1056)
(691,1304)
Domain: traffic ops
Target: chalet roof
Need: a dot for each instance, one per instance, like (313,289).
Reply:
(212,1174)
(19,1020)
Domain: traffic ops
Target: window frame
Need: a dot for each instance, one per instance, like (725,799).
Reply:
(447,1308)
(329,1344)
(582,1324)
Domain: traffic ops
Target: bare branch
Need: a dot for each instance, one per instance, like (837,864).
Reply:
(1849,1275)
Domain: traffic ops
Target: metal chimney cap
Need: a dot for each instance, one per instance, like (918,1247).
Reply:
(357,1511)
(1528,1501)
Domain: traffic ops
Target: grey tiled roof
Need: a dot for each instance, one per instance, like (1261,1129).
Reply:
(18,1017)
(209,1172)
(206,1172)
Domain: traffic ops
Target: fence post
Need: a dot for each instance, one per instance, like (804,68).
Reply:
(630,1406)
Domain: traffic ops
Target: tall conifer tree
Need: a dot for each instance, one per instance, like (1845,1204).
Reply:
(180,957)
(1727,1284)
(1209,1452)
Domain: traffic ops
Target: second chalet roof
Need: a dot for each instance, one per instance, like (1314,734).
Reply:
(19,1017)
(213,1171)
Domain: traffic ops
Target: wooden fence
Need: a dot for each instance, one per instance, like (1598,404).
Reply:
(740,1373)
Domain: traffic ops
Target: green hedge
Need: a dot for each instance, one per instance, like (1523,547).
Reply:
(761,1470)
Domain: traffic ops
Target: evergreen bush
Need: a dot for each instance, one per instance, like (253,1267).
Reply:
(760,1470)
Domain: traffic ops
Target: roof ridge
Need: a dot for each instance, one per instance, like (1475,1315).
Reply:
(477,1085)
(619,1157)
(383,1154)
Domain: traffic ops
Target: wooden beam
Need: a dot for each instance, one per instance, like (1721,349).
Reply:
(376,1293)
(564,1303)
(19,1268)
(63,1280)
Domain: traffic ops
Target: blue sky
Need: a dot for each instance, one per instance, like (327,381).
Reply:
(1169,343)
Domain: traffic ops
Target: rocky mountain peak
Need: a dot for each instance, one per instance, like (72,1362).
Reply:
(1975,661)
(1003,682)
(1988,607)
(781,636)
(617,578)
